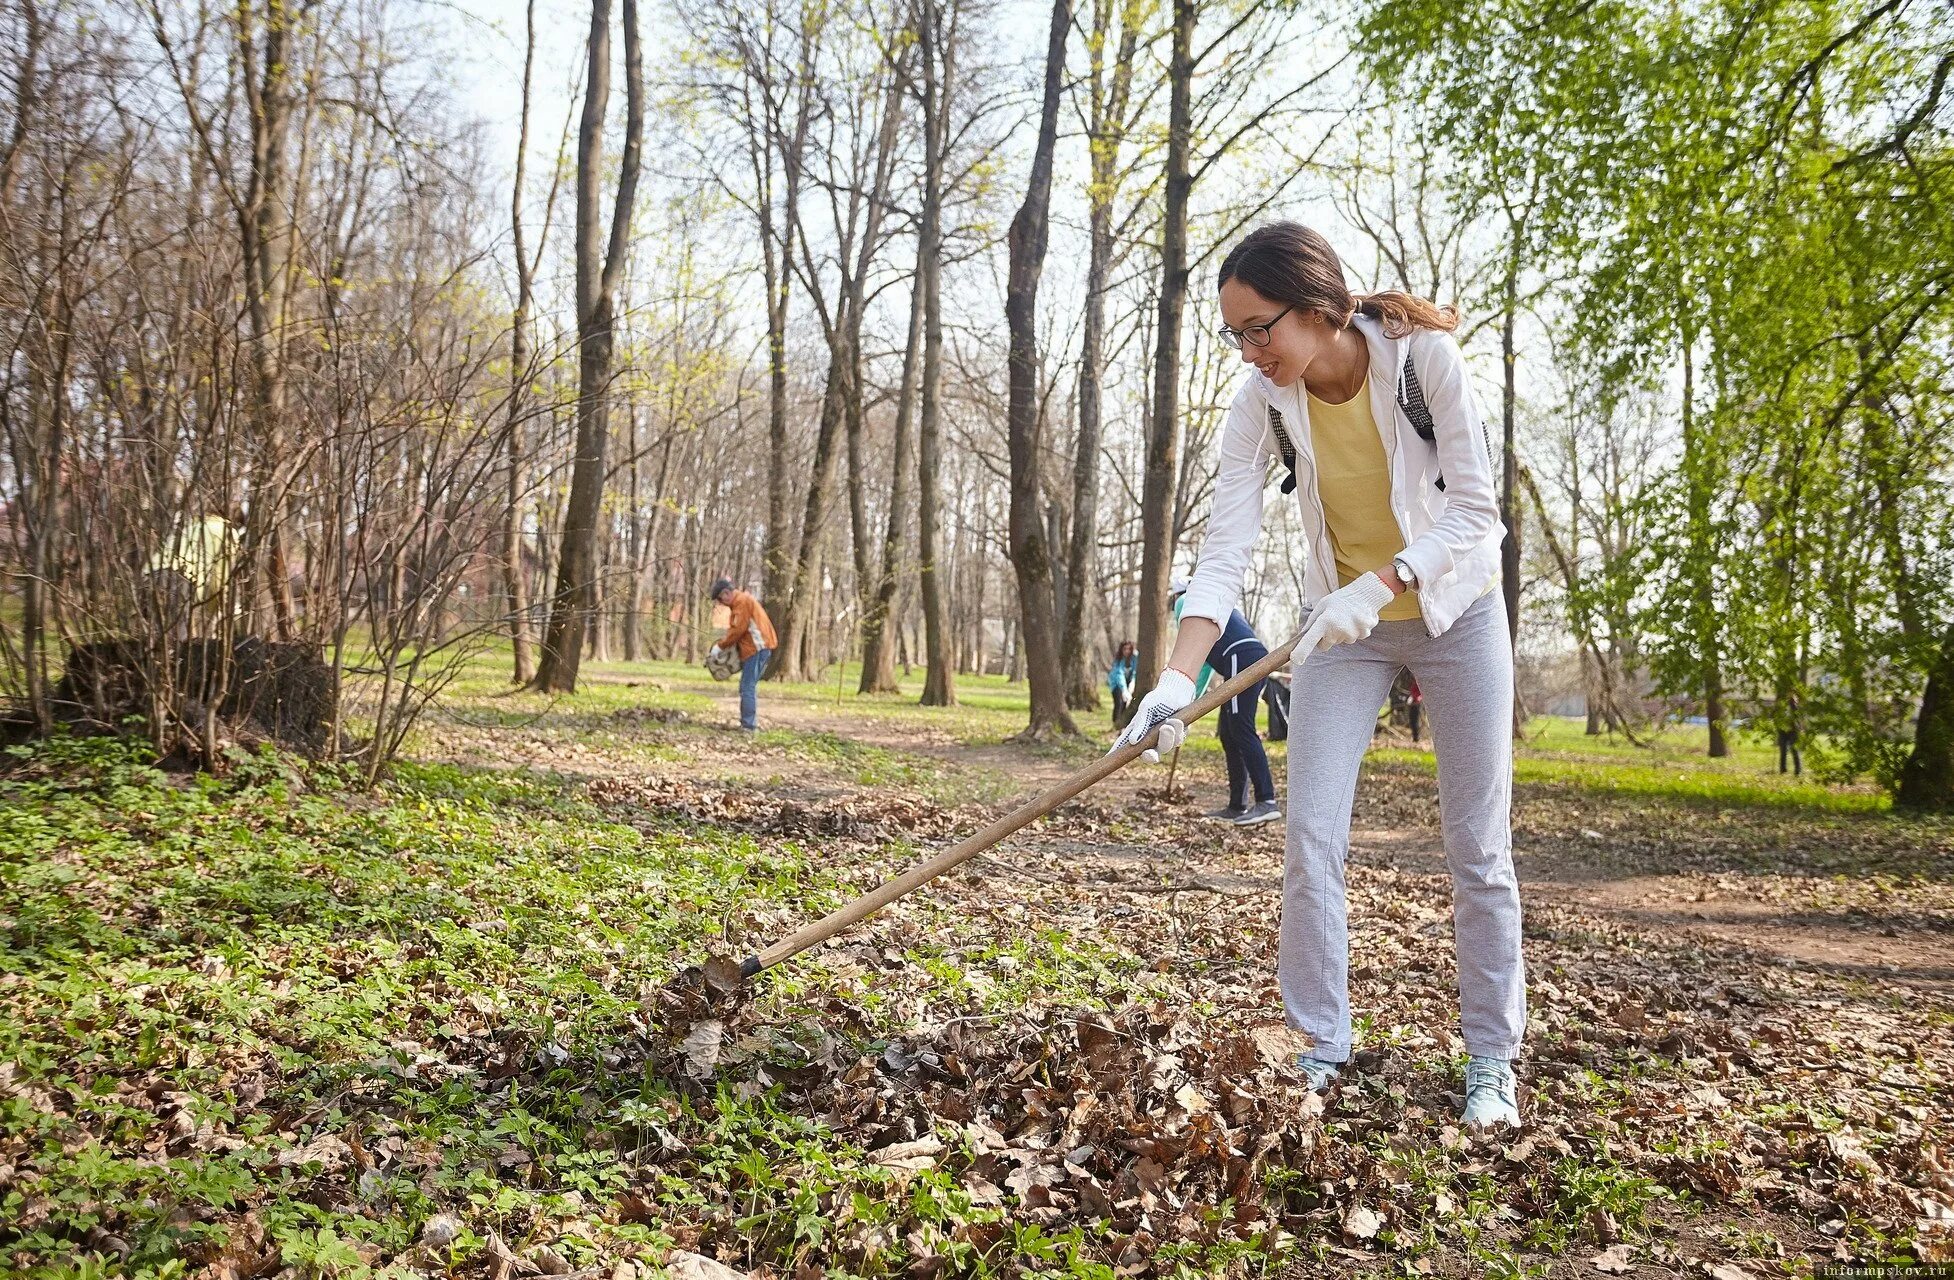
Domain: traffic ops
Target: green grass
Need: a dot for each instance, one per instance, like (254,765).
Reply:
(989,708)
(1555,752)
(215,988)
(1676,765)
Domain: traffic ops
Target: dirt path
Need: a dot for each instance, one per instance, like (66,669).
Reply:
(1660,869)
(1903,935)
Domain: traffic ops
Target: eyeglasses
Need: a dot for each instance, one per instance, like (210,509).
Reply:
(1256,335)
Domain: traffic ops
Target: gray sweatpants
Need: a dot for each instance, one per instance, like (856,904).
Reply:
(1466,676)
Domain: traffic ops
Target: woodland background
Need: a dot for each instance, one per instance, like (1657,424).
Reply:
(902,314)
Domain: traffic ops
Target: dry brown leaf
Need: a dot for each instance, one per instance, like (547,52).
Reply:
(701,1047)
(502,1260)
(1279,1045)
(682,1264)
(1362,1222)
(327,1150)
(920,1154)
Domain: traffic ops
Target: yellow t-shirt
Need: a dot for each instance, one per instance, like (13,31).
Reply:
(1353,478)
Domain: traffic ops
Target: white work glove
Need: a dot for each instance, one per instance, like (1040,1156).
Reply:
(1173,691)
(713,652)
(1346,615)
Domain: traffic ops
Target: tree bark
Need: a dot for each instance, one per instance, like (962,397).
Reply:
(878,654)
(630,617)
(939,684)
(1509,495)
(574,607)
(841,400)
(1157,486)
(791,659)
(1603,700)
(1927,779)
(267,225)
(513,586)
(778,274)
(1037,650)
(1106,132)
(1702,555)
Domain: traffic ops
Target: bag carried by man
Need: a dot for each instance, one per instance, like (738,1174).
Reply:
(723,664)
(1275,692)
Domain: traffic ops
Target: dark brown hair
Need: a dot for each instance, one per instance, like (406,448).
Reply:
(1287,262)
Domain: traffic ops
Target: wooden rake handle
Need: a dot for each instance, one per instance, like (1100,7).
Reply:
(970,846)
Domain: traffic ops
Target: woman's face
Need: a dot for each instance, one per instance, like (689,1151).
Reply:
(1294,340)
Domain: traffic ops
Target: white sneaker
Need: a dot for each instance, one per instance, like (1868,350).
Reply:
(1319,1073)
(1492,1094)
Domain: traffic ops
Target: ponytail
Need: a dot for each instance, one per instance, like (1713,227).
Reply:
(1401,312)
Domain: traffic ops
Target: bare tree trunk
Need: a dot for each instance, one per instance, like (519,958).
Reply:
(1602,695)
(1509,496)
(792,660)
(574,606)
(1702,582)
(858,535)
(878,653)
(1031,554)
(841,400)
(779,276)
(634,551)
(1157,486)
(939,684)
(267,226)
(1106,126)
(1927,779)
(602,595)
(514,588)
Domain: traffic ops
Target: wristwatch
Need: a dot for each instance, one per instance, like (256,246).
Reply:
(1405,575)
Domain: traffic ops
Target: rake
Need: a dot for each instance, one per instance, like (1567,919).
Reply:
(725,975)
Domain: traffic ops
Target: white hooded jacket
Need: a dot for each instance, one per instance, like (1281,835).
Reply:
(1452,535)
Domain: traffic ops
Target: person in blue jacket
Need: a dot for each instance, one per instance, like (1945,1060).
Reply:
(1119,680)
(1248,764)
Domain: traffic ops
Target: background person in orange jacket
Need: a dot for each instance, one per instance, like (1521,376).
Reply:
(750,631)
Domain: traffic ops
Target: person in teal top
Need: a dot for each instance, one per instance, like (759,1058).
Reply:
(1234,651)
(1119,680)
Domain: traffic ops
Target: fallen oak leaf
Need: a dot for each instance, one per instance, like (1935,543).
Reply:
(327,1150)
(502,1260)
(683,1264)
(701,1047)
(920,1154)
(1191,1100)
(1614,1260)
(1362,1222)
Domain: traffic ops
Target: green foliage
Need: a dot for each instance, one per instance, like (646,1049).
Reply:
(453,965)
(1748,205)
